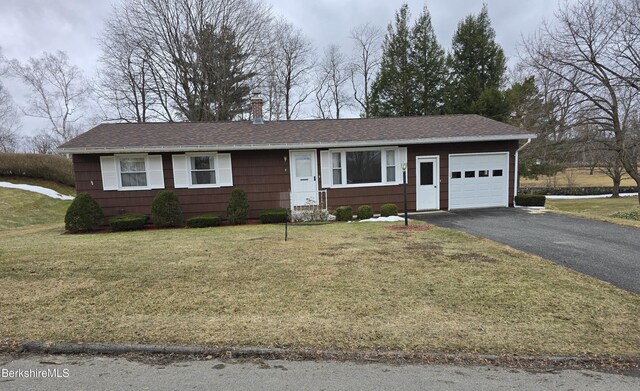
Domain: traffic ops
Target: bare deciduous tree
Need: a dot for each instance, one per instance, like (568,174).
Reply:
(42,143)
(125,85)
(581,52)
(9,121)
(190,59)
(58,92)
(320,94)
(291,62)
(332,76)
(367,40)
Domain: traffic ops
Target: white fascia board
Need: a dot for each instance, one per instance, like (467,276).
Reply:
(317,145)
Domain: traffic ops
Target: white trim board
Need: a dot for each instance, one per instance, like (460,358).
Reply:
(315,145)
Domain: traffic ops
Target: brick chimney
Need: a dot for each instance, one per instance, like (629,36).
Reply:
(256,108)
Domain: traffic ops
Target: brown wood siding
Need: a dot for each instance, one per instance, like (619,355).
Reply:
(376,196)
(264,175)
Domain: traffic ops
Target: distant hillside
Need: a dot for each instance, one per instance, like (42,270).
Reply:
(48,167)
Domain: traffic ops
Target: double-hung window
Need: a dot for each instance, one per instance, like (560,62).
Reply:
(361,167)
(203,170)
(133,172)
(336,167)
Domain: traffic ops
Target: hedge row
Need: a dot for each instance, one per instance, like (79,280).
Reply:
(128,222)
(273,215)
(345,213)
(84,214)
(530,200)
(575,190)
(204,221)
(31,165)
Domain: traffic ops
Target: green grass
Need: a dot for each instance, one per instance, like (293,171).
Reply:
(576,177)
(598,208)
(20,208)
(340,286)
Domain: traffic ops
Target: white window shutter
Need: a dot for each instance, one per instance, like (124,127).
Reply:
(109,172)
(180,171)
(325,169)
(224,175)
(155,172)
(401,158)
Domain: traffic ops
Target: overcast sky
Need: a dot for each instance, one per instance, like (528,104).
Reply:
(29,27)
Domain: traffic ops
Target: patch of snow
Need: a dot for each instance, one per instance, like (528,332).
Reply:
(37,189)
(533,209)
(584,197)
(383,219)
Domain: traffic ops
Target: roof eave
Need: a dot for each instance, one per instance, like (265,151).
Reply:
(316,145)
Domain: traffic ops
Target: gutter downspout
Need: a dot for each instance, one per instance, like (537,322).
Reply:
(515,177)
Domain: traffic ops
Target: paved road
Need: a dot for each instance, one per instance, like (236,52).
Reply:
(102,373)
(606,251)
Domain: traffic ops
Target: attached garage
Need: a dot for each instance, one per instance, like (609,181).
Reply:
(478,180)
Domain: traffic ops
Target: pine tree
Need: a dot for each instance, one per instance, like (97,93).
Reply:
(428,65)
(220,85)
(392,90)
(477,63)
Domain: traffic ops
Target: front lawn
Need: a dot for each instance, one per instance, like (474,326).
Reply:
(20,208)
(598,208)
(341,286)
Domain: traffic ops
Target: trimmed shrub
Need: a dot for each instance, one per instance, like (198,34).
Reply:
(364,212)
(203,221)
(84,214)
(165,210)
(387,210)
(530,200)
(238,209)
(344,213)
(128,222)
(32,165)
(273,215)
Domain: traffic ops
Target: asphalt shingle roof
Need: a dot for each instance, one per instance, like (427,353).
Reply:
(243,134)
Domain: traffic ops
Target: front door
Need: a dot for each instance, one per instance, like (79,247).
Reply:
(304,184)
(427,196)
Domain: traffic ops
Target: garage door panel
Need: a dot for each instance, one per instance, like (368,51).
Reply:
(477,191)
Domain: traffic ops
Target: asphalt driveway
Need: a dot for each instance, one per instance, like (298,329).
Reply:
(603,250)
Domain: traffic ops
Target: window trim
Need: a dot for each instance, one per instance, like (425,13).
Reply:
(144,156)
(211,155)
(383,167)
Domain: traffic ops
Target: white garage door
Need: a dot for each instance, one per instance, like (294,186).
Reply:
(478,180)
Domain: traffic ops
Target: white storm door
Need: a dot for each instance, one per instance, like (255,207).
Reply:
(427,193)
(304,184)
